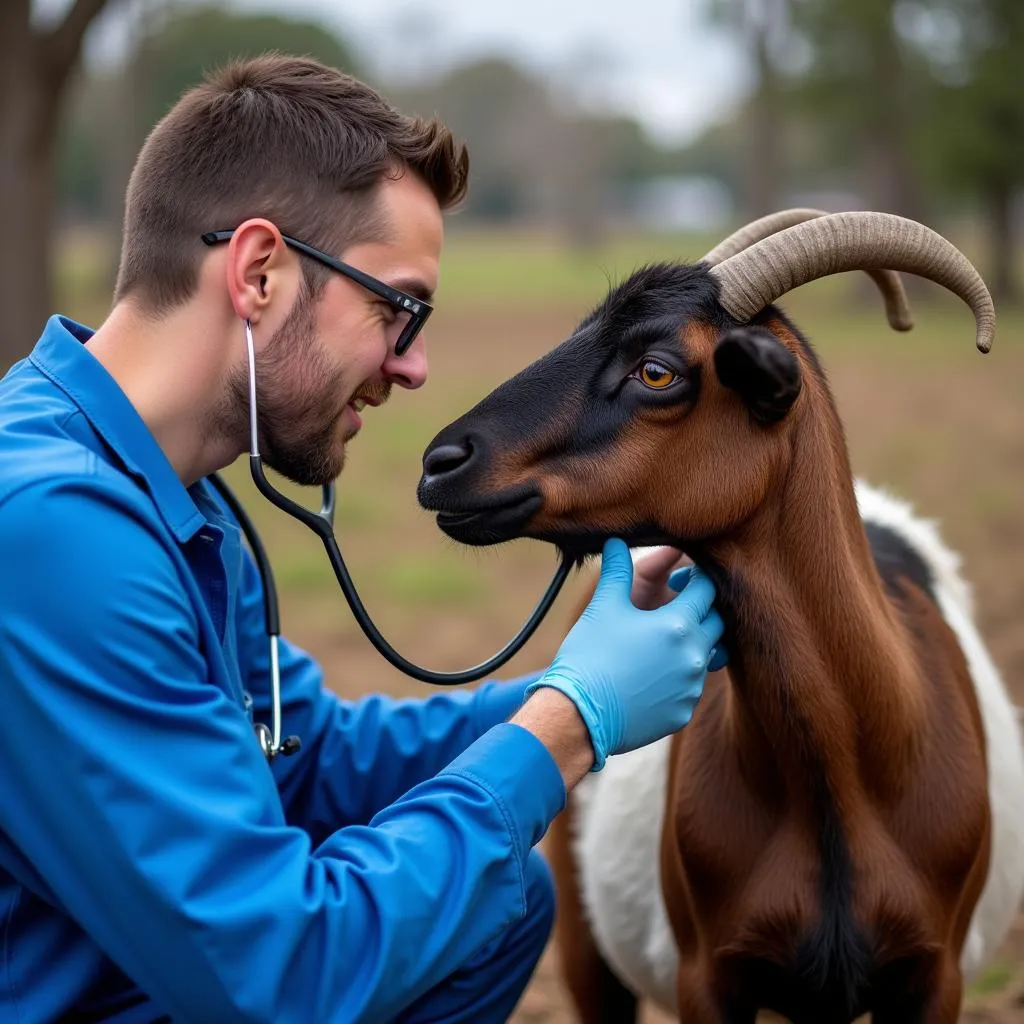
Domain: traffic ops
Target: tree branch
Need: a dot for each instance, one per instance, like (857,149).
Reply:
(59,48)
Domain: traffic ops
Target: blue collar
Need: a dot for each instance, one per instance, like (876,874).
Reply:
(61,355)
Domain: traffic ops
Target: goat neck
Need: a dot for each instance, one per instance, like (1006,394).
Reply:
(821,669)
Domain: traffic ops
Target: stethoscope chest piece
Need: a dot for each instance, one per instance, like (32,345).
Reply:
(266,741)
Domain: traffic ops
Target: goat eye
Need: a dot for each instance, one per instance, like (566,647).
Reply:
(656,376)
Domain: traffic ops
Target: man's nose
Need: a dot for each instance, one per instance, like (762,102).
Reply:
(408,370)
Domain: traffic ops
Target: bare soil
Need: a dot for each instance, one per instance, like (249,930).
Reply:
(937,422)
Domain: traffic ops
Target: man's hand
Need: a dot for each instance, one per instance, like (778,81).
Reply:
(635,675)
(658,576)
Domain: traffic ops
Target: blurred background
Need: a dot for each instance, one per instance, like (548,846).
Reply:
(601,136)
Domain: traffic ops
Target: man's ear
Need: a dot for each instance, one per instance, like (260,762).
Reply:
(760,369)
(255,253)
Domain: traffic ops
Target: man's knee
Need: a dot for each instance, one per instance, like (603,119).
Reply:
(489,986)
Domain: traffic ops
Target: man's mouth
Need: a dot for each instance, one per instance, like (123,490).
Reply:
(358,404)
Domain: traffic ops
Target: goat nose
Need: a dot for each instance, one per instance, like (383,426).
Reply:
(446,458)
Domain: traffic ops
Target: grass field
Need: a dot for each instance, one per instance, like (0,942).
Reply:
(925,412)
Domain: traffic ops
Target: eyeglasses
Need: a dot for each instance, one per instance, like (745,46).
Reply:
(407,307)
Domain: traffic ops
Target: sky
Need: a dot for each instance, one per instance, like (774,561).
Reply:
(654,59)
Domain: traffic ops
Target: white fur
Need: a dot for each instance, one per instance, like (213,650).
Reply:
(619,813)
(620,810)
(1004,887)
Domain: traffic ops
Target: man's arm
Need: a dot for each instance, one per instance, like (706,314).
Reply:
(357,756)
(137,791)
(554,720)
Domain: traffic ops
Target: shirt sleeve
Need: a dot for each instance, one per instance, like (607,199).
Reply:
(356,756)
(134,787)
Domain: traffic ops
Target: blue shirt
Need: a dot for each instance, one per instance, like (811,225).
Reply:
(152,864)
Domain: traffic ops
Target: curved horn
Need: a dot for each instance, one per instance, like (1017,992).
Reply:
(837,242)
(897,309)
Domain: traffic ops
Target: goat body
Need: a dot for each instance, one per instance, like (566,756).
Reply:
(628,826)
(840,828)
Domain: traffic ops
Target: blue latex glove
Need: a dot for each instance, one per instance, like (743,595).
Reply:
(635,675)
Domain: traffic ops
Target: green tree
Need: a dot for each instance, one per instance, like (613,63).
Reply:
(172,54)
(976,48)
(865,89)
(173,46)
(178,50)
(533,155)
(763,29)
(36,66)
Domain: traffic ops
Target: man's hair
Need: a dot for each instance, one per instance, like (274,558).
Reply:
(279,137)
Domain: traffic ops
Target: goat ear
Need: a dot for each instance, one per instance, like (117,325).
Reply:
(760,369)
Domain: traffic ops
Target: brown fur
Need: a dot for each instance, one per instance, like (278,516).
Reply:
(599,996)
(831,681)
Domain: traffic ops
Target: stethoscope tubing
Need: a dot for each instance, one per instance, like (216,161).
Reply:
(322,524)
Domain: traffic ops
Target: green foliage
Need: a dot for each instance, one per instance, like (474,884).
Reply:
(532,156)
(865,89)
(912,106)
(981,141)
(193,41)
(79,167)
(109,115)
(943,75)
(995,979)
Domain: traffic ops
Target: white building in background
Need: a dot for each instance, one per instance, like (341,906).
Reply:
(683,203)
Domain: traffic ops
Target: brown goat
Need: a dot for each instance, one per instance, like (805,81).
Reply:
(838,831)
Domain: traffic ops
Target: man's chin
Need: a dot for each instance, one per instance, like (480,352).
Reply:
(306,473)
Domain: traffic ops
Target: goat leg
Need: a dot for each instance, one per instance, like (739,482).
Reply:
(698,1003)
(599,997)
(938,1003)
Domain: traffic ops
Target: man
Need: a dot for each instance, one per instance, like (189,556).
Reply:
(153,865)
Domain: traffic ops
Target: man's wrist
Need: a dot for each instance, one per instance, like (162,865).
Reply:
(554,719)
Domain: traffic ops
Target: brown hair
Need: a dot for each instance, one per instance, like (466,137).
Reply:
(275,136)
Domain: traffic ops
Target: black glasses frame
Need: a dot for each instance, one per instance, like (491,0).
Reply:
(403,302)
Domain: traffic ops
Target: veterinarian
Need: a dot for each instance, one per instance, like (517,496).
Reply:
(154,865)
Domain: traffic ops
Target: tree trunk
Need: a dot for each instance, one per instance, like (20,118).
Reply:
(764,132)
(26,189)
(761,21)
(999,206)
(34,68)
(893,185)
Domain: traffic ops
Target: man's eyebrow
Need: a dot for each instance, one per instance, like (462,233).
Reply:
(413,286)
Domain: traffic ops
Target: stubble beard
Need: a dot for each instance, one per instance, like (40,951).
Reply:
(299,401)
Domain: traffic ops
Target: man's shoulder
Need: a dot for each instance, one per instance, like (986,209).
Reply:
(65,485)
(43,442)
(90,545)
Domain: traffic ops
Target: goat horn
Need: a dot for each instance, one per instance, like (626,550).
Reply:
(897,309)
(837,242)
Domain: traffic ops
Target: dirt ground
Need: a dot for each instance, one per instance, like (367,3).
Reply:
(925,414)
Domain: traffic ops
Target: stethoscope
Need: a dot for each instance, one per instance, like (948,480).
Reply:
(322,524)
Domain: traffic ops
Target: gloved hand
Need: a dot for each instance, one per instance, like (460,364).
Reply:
(634,675)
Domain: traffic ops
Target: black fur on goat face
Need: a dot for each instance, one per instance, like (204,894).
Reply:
(656,386)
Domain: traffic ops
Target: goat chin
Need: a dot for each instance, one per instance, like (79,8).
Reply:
(618,813)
